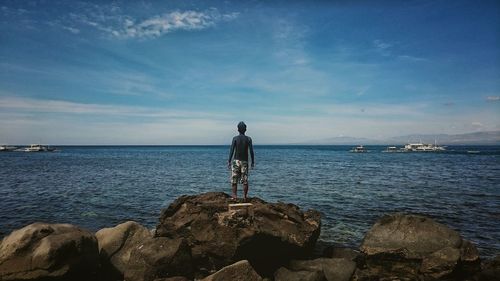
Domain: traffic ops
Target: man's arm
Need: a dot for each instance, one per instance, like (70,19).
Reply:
(231,151)
(250,146)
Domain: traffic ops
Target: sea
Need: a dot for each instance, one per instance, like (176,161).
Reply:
(101,186)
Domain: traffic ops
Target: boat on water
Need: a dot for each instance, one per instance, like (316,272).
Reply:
(423,147)
(38,148)
(6,148)
(359,149)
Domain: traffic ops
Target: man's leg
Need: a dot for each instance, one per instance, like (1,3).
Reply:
(245,191)
(234,187)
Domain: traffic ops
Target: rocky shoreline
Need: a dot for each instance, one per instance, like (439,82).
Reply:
(199,238)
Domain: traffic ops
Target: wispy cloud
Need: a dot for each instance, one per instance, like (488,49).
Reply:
(382,47)
(31,106)
(128,27)
(493,98)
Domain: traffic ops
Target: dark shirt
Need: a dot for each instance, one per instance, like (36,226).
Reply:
(239,147)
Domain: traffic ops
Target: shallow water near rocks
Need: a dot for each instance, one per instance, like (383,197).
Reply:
(96,187)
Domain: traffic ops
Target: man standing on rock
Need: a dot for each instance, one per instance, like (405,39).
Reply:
(239,168)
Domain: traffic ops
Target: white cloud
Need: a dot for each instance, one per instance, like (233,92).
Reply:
(493,98)
(29,105)
(127,27)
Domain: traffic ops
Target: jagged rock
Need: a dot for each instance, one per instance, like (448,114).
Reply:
(117,243)
(268,236)
(413,247)
(49,252)
(239,271)
(335,269)
(159,258)
(283,274)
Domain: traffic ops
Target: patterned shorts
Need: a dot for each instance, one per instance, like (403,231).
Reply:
(239,172)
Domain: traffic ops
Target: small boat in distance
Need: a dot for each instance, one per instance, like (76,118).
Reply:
(6,148)
(359,149)
(38,148)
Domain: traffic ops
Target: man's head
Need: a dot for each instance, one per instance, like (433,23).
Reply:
(242,127)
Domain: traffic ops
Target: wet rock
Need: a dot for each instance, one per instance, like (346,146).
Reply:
(268,236)
(116,245)
(284,274)
(239,271)
(412,247)
(158,258)
(42,251)
(333,269)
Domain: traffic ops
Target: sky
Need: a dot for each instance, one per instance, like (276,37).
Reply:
(186,72)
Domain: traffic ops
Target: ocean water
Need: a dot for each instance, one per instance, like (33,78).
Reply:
(97,187)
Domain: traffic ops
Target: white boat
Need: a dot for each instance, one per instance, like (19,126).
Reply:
(359,149)
(38,148)
(5,148)
(423,147)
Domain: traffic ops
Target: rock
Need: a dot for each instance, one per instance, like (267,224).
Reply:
(408,236)
(268,235)
(337,269)
(441,263)
(239,271)
(284,274)
(116,245)
(158,258)
(413,247)
(49,252)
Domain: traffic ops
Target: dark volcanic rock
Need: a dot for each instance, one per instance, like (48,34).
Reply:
(158,258)
(43,251)
(116,245)
(412,247)
(239,271)
(268,236)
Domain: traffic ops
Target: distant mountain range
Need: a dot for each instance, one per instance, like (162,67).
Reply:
(478,138)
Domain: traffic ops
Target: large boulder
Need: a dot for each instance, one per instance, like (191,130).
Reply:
(268,235)
(116,245)
(42,251)
(412,247)
(239,271)
(158,258)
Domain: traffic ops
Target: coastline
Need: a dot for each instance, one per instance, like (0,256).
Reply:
(198,237)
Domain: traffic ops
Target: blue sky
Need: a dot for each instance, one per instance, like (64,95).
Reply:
(186,72)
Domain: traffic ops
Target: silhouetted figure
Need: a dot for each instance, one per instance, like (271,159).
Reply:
(239,169)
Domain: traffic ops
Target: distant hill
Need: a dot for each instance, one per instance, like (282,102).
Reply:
(478,138)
